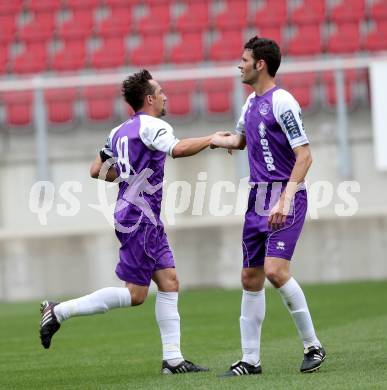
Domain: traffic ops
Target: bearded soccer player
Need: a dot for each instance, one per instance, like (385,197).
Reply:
(138,147)
(279,157)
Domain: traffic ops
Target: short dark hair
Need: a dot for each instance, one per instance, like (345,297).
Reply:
(267,50)
(136,87)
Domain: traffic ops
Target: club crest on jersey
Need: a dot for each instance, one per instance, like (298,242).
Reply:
(262,130)
(264,108)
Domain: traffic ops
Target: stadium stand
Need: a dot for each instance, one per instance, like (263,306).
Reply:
(25,63)
(190,49)
(100,102)
(118,23)
(194,18)
(179,97)
(271,15)
(302,87)
(218,94)
(60,104)
(111,53)
(309,12)
(47,36)
(18,108)
(233,16)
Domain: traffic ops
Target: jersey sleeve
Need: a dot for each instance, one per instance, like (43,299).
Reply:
(240,127)
(158,135)
(287,113)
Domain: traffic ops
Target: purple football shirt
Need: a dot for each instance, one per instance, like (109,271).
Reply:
(139,147)
(273,127)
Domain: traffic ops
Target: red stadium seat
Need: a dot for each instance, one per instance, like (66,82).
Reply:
(309,12)
(77,4)
(150,51)
(60,104)
(194,18)
(346,39)
(44,5)
(378,10)
(228,46)
(111,54)
(274,33)
(3,59)
(18,108)
(79,26)
(189,50)
(233,16)
(157,20)
(179,94)
(271,14)
(41,28)
(345,12)
(121,3)
(376,39)
(26,62)
(330,87)
(307,41)
(7,28)
(12,7)
(300,86)
(218,94)
(118,23)
(100,102)
(71,57)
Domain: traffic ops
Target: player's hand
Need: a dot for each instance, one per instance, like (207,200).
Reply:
(218,138)
(278,214)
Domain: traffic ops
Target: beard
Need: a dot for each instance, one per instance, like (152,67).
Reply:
(163,112)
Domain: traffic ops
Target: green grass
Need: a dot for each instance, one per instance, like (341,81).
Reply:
(121,349)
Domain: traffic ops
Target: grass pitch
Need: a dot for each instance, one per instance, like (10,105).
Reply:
(121,349)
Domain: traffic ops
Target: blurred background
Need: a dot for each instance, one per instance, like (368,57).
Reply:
(61,65)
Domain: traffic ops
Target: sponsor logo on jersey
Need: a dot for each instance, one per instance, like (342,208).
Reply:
(267,156)
(264,108)
(160,133)
(291,124)
(280,245)
(262,130)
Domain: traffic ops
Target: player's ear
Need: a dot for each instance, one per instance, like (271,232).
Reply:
(149,99)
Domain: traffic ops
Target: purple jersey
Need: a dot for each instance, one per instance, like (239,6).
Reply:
(139,147)
(273,127)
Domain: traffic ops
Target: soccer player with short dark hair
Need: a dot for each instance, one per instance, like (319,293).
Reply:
(279,157)
(138,148)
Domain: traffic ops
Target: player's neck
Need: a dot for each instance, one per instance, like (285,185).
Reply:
(264,85)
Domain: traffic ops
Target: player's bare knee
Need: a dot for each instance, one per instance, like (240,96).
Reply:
(276,276)
(171,284)
(249,280)
(138,296)
(138,299)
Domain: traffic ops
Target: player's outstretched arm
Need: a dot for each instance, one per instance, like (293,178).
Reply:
(228,141)
(191,146)
(96,167)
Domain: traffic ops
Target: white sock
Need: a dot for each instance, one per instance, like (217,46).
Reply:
(252,315)
(168,319)
(99,301)
(294,300)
